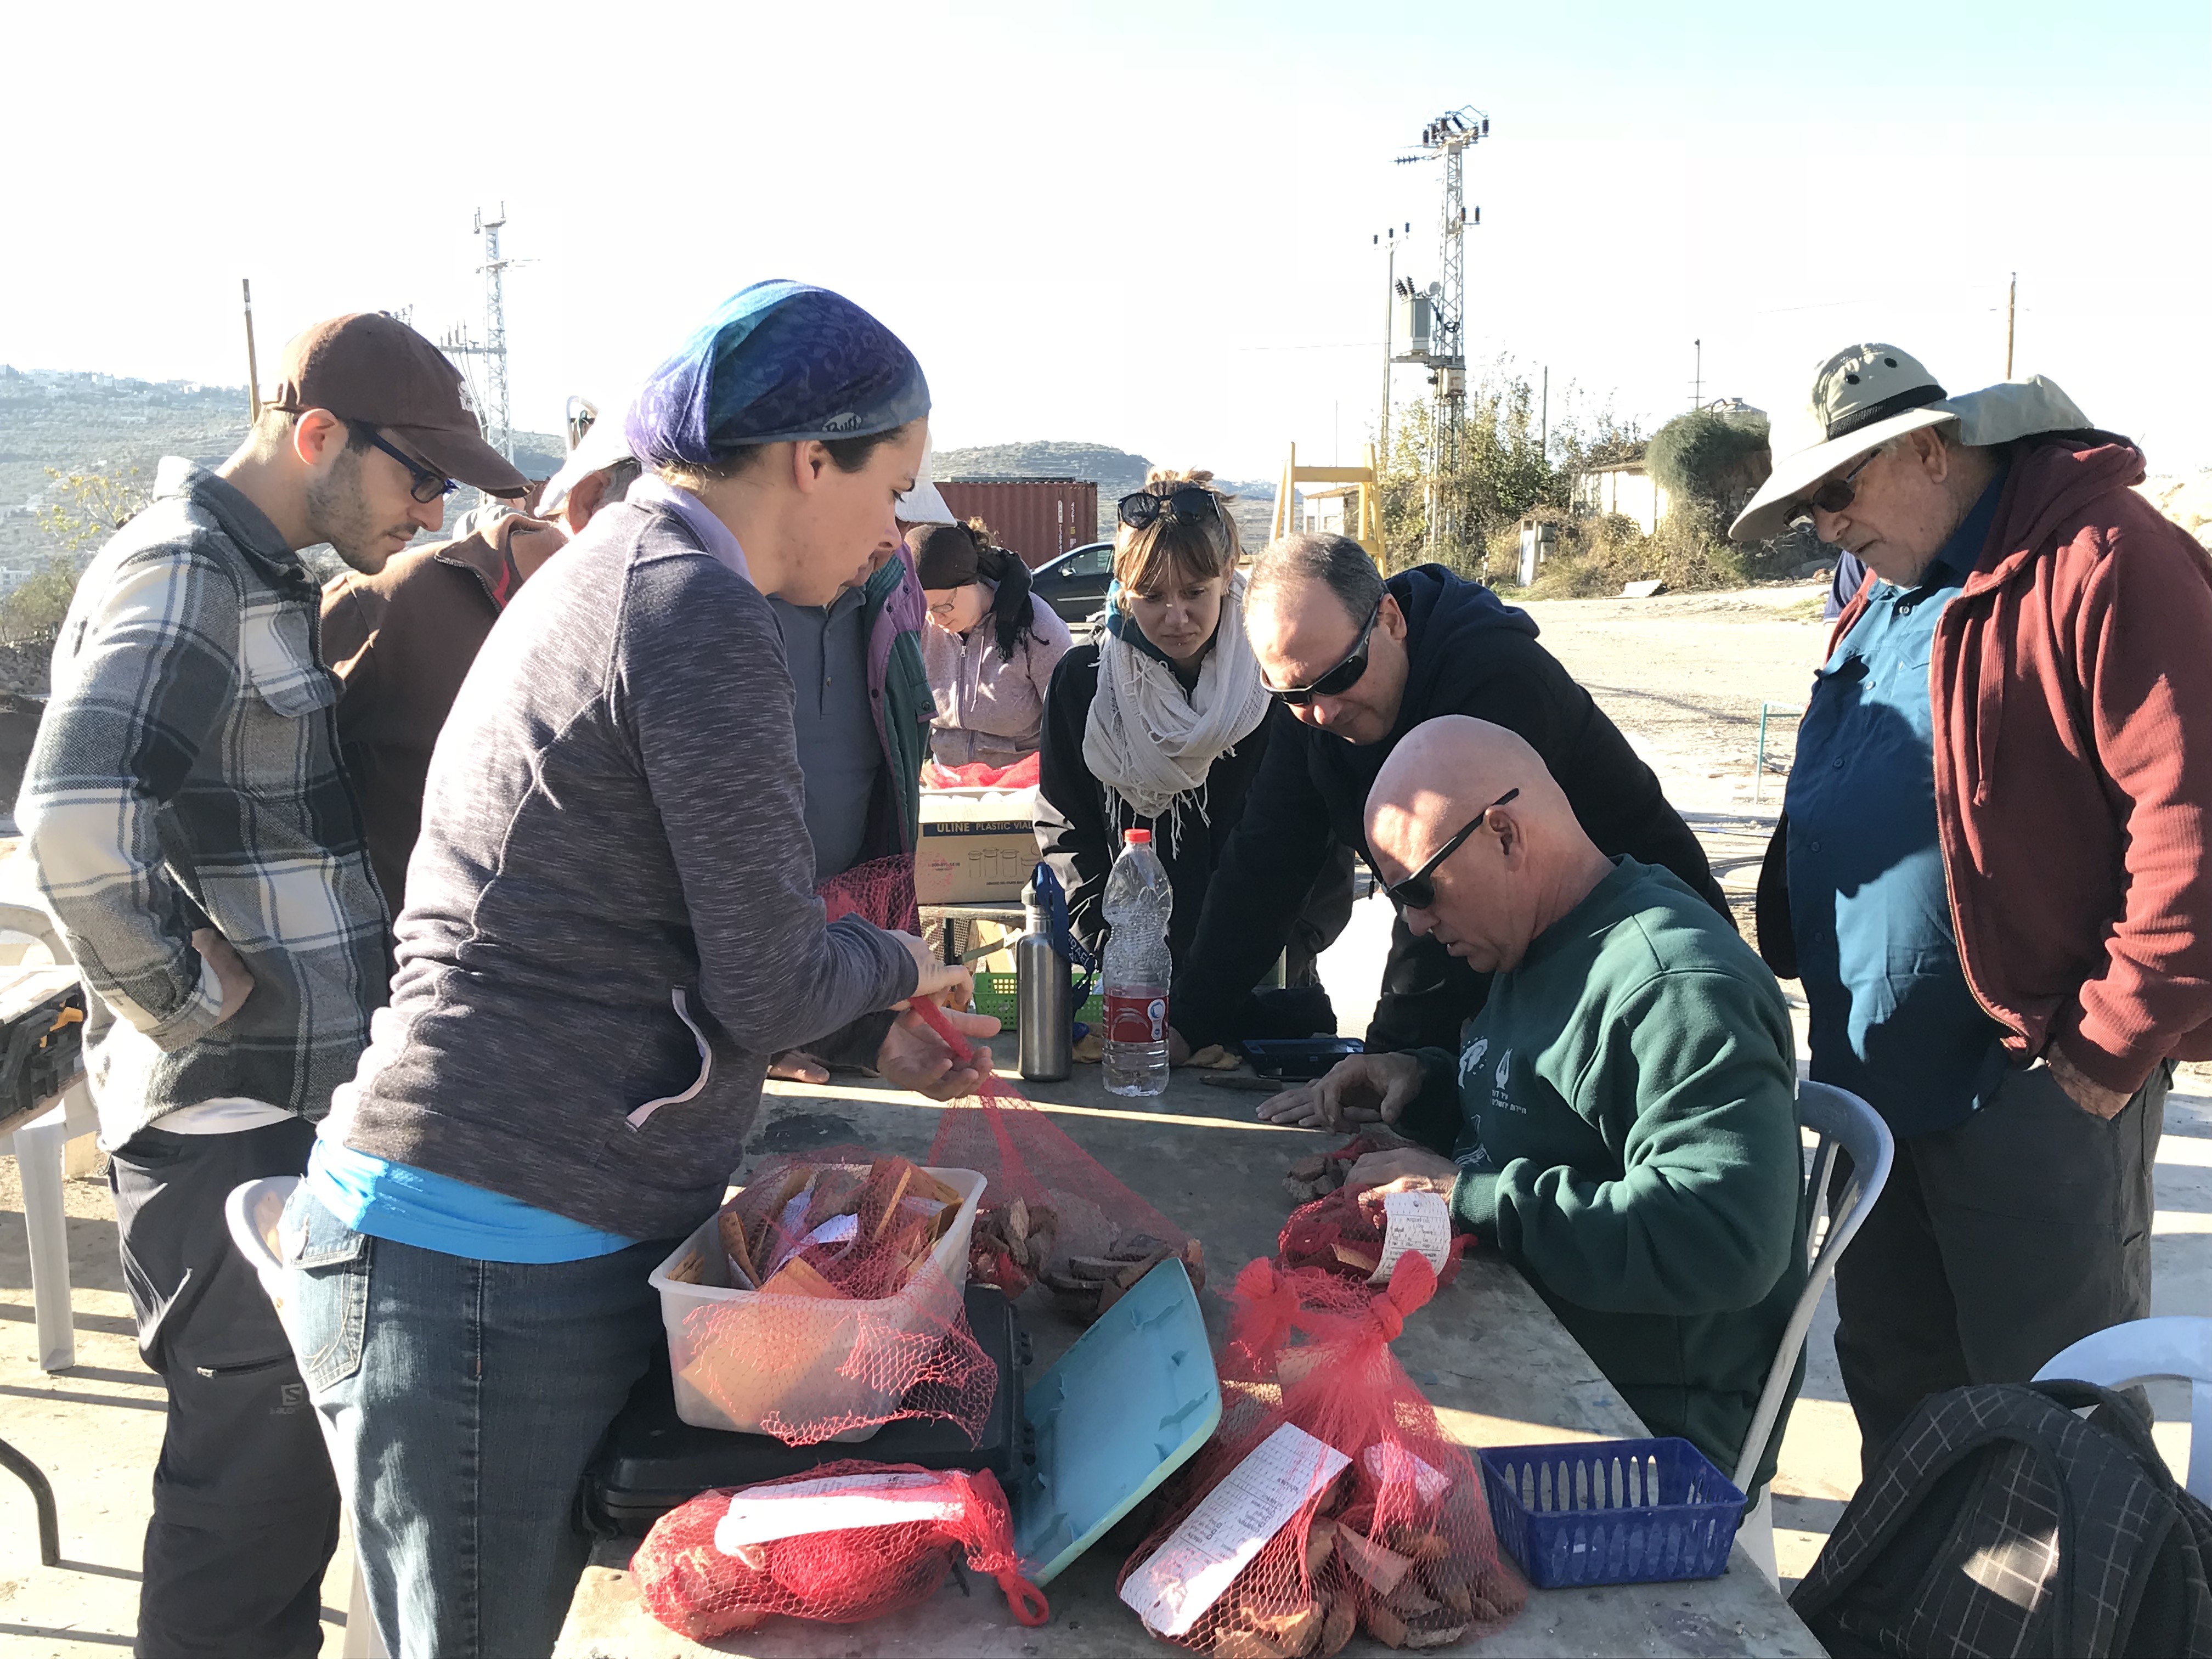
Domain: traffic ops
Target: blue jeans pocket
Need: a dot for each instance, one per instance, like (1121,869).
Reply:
(329,1263)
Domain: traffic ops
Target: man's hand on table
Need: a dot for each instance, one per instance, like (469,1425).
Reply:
(230,970)
(1358,1088)
(1178,1049)
(914,1057)
(1402,1170)
(2091,1096)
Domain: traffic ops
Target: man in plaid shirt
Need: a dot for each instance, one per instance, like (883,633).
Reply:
(191,830)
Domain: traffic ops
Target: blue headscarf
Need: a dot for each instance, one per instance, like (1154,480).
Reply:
(780,361)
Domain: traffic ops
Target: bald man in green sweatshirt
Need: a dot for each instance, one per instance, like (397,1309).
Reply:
(1621,1122)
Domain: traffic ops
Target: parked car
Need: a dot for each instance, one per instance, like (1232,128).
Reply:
(1075,583)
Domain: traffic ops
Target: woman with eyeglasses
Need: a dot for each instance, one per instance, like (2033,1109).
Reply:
(990,646)
(1161,724)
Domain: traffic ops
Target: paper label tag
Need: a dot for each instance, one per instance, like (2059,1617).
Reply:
(1391,1464)
(1419,1222)
(1232,1523)
(1136,1017)
(841,1503)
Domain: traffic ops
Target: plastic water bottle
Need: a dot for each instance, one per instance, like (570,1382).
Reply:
(1137,969)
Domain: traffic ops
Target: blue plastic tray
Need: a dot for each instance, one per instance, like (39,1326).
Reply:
(1125,1406)
(1611,1511)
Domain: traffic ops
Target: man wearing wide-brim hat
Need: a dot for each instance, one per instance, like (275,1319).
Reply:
(1991,873)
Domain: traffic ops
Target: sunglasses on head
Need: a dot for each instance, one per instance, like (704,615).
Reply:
(1834,495)
(1338,679)
(428,486)
(1144,508)
(1419,891)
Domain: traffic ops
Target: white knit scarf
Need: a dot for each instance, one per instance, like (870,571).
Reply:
(1149,742)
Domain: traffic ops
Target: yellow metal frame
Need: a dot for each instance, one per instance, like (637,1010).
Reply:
(1368,479)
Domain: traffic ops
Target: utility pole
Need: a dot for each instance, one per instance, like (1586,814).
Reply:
(1448,136)
(1698,385)
(499,429)
(1388,240)
(2012,302)
(252,368)
(1545,429)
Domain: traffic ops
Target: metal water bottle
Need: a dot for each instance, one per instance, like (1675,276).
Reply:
(1041,995)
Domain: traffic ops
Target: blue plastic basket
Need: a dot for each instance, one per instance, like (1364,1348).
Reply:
(1611,1511)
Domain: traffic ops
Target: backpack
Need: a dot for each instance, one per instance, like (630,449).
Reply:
(1998,1522)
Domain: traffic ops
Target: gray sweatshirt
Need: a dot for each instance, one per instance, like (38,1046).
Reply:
(611,924)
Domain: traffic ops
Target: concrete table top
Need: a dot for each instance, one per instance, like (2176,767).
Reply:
(1491,1357)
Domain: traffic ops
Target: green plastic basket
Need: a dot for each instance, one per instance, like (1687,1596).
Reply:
(996,994)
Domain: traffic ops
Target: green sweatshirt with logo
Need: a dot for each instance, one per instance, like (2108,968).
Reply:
(1624,1115)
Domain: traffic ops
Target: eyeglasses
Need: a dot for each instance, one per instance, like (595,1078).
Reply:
(1834,495)
(429,486)
(1338,679)
(1419,891)
(1144,508)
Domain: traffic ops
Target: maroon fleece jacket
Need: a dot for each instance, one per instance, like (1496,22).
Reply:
(2071,683)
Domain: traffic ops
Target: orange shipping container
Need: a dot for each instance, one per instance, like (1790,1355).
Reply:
(1039,519)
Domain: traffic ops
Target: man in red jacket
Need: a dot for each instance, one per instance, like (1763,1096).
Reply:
(1991,875)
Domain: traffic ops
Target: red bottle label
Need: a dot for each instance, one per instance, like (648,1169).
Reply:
(1136,1017)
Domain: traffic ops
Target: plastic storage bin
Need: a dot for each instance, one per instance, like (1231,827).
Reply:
(1611,1511)
(767,1356)
(998,994)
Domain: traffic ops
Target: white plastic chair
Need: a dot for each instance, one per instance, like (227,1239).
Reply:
(2176,1346)
(1843,1123)
(38,1150)
(253,1211)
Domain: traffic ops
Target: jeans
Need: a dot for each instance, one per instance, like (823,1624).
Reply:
(1993,1246)
(245,1513)
(463,1399)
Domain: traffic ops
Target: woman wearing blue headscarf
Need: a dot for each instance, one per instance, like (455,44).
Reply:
(611,928)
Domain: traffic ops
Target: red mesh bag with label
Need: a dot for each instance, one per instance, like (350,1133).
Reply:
(848,1541)
(1343,1233)
(853,1315)
(1054,1218)
(1397,1540)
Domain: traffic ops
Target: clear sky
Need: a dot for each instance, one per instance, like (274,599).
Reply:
(1138,223)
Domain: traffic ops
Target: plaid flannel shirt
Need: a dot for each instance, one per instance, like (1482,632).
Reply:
(185,775)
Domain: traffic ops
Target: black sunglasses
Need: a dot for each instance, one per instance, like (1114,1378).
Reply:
(1144,508)
(1419,891)
(429,485)
(1338,679)
(1834,495)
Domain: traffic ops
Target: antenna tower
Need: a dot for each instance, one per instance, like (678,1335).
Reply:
(499,429)
(1448,136)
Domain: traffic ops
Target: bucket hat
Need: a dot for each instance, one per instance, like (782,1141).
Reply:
(1864,396)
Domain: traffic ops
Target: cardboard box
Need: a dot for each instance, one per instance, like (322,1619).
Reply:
(982,856)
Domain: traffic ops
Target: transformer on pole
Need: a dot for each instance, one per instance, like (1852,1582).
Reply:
(1448,136)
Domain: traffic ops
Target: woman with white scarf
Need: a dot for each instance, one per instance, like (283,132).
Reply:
(1161,724)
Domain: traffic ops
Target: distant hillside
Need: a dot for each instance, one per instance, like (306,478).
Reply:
(1116,472)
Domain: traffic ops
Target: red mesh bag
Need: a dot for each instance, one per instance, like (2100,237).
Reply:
(1054,1217)
(853,1316)
(880,891)
(1342,1234)
(1397,1543)
(1022,775)
(846,1542)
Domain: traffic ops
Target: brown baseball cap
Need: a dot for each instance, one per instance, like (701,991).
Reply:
(371,368)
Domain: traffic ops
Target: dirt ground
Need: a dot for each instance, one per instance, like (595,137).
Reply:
(1684,677)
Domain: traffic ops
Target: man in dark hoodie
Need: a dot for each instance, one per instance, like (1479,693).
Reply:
(1355,663)
(1991,874)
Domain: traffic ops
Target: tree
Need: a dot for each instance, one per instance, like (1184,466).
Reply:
(1704,456)
(91,506)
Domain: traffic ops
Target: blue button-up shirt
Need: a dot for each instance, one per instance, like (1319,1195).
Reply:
(1893,1020)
